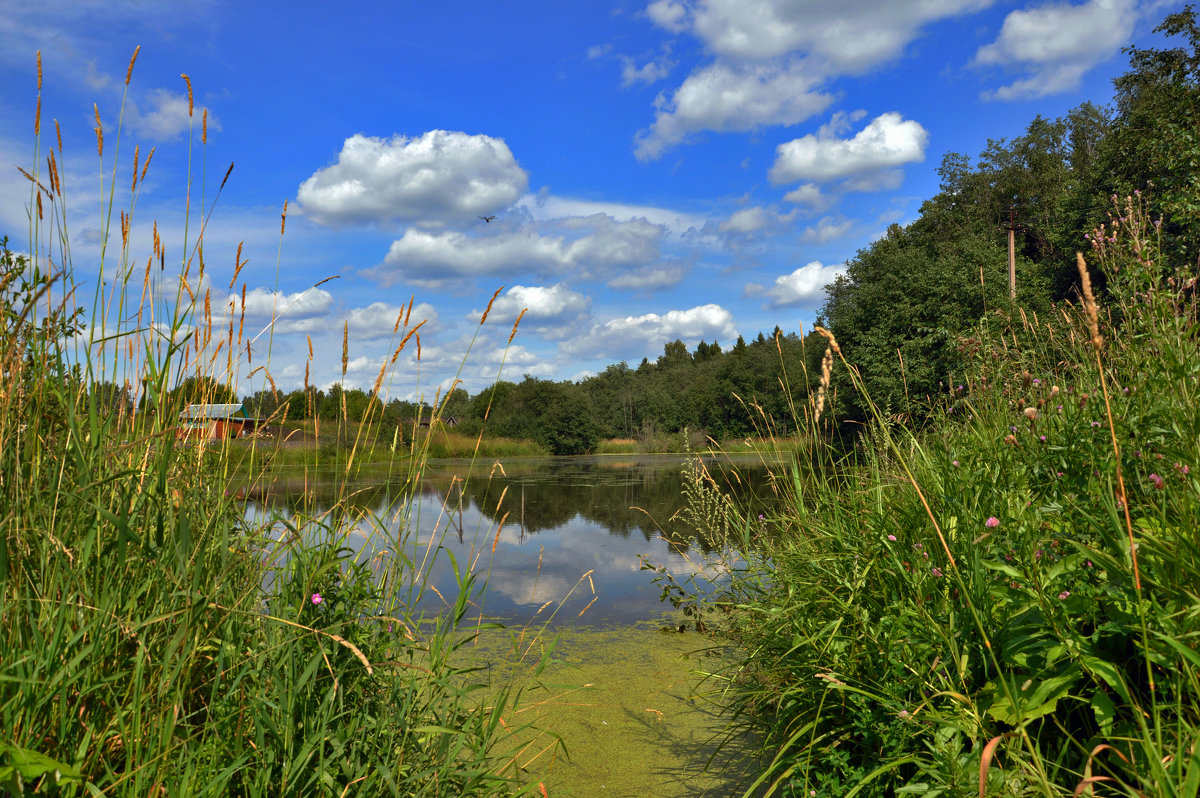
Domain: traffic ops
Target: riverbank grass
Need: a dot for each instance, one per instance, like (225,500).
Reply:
(1003,603)
(159,639)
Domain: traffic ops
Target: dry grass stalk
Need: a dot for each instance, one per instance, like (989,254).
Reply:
(408,313)
(39,68)
(1092,315)
(99,132)
(488,309)
(513,334)
(283,218)
(823,385)
(133,185)
(404,340)
(146,165)
(242,316)
(132,59)
(204,126)
(58,132)
(188,81)
(379,378)
(37,117)
(52,170)
(145,288)
(310,351)
(499,528)
(39,205)
(32,179)
(1091,309)
(345,346)
(833,344)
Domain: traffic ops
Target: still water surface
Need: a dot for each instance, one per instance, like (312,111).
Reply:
(560,538)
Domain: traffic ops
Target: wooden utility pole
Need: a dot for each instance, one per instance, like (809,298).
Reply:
(1012,228)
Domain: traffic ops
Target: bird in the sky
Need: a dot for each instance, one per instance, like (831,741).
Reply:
(487,219)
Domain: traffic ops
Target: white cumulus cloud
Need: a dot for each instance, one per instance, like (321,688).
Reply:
(728,97)
(634,337)
(887,142)
(551,310)
(439,177)
(591,247)
(849,35)
(746,220)
(804,286)
(380,320)
(303,311)
(163,115)
(652,71)
(826,230)
(772,58)
(809,195)
(1056,44)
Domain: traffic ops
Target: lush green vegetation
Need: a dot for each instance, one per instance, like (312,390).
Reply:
(709,393)
(1003,600)
(158,639)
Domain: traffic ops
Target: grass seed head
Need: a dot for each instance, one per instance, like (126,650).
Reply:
(99,132)
(513,334)
(488,309)
(188,81)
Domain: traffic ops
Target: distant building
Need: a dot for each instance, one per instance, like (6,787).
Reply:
(449,422)
(215,422)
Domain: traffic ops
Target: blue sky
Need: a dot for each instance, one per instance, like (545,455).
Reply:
(692,169)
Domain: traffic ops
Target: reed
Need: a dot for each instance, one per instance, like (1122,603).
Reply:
(159,636)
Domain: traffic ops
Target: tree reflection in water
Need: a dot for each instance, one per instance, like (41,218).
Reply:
(570,531)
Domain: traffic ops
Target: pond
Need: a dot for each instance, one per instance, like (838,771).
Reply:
(559,540)
(562,543)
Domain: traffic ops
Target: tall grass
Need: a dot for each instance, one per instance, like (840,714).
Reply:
(158,638)
(1005,604)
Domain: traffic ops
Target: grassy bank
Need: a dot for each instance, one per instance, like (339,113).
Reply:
(1005,603)
(158,640)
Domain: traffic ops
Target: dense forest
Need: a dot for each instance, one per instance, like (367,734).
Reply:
(902,310)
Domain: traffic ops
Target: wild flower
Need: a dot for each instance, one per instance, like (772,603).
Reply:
(892,538)
(1158,481)
(1042,438)
(954,463)
(316,598)
(937,571)
(1063,595)
(992,521)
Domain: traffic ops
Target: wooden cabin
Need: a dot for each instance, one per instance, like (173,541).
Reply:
(215,422)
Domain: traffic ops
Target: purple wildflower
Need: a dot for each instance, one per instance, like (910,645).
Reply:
(992,521)
(316,598)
